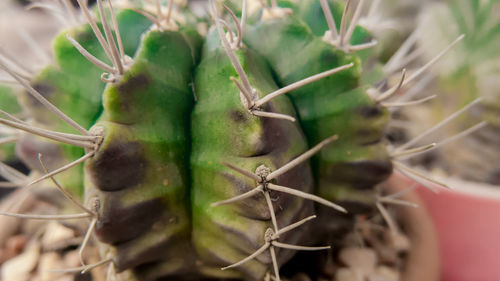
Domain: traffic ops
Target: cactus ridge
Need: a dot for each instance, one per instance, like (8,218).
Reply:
(210,153)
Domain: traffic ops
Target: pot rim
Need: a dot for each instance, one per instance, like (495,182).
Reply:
(474,189)
(423,261)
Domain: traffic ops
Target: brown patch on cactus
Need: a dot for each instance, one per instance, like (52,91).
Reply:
(154,247)
(46,90)
(84,36)
(253,207)
(118,224)
(299,177)
(373,172)
(370,112)
(118,166)
(129,88)
(237,116)
(125,259)
(276,137)
(364,133)
(137,82)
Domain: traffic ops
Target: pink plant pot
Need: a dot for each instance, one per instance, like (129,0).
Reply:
(467,222)
(423,261)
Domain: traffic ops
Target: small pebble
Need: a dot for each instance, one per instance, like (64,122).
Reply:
(55,236)
(385,273)
(20,267)
(346,274)
(47,262)
(71,259)
(400,242)
(363,260)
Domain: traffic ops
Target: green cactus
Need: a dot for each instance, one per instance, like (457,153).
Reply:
(467,74)
(196,147)
(70,83)
(141,165)
(223,131)
(335,104)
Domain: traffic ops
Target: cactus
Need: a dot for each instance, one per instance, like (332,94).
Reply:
(467,74)
(208,151)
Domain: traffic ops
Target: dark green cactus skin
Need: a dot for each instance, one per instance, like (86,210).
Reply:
(222,130)
(70,83)
(334,105)
(311,13)
(140,173)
